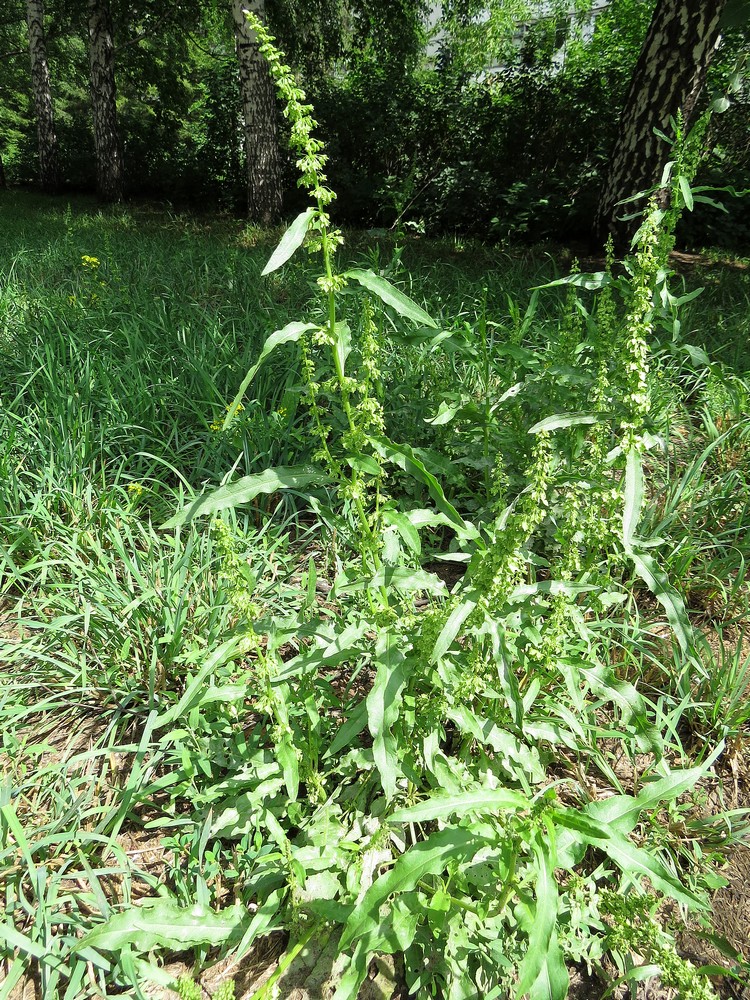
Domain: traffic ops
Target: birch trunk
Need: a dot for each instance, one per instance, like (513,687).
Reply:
(49,168)
(259,118)
(668,77)
(109,165)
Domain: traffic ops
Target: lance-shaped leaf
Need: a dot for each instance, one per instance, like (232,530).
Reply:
(162,923)
(428,857)
(558,420)
(383,705)
(480,800)
(542,927)
(290,333)
(658,583)
(633,495)
(402,456)
(290,241)
(294,477)
(630,859)
(392,296)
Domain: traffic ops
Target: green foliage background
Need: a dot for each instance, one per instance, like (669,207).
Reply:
(513,151)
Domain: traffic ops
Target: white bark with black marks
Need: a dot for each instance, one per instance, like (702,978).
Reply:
(109,164)
(669,77)
(49,167)
(259,118)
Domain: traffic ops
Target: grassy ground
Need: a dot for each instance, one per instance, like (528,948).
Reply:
(139,749)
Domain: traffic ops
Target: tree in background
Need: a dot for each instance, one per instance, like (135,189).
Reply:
(49,167)
(259,118)
(668,79)
(109,163)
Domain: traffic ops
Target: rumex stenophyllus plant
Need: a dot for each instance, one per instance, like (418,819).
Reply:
(460,806)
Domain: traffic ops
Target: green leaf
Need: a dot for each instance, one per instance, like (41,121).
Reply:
(558,420)
(633,495)
(553,587)
(553,981)
(286,755)
(428,857)
(162,923)
(353,726)
(597,279)
(400,578)
(405,528)
(516,757)
(344,646)
(289,334)
(544,918)
(687,194)
(196,685)
(343,343)
(482,800)
(631,860)
(292,239)
(244,490)
(446,412)
(402,456)
(392,296)
(622,812)
(383,704)
(453,625)
(658,583)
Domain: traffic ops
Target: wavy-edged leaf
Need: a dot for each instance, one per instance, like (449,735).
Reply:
(344,646)
(402,456)
(658,583)
(480,800)
(292,477)
(289,334)
(406,529)
(558,420)
(630,859)
(553,587)
(544,917)
(401,578)
(516,757)
(453,624)
(687,194)
(356,722)
(196,685)
(428,857)
(446,412)
(392,296)
(383,705)
(162,923)
(292,239)
(633,495)
(592,280)
(553,980)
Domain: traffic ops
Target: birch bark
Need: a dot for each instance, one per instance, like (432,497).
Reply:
(669,77)
(259,118)
(49,167)
(109,164)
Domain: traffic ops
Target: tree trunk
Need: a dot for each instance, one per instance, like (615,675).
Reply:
(49,168)
(259,116)
(109,166)
(2,175)
(668,77)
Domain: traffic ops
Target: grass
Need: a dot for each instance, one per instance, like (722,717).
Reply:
(139,707)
